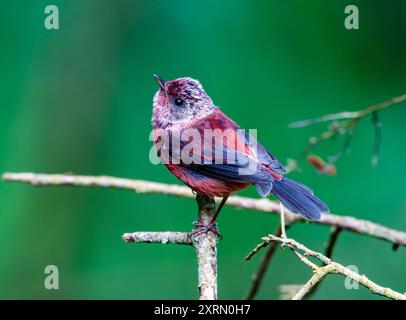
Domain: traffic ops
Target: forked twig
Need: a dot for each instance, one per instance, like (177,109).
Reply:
(331,267)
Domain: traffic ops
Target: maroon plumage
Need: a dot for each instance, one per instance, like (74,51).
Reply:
(181,106)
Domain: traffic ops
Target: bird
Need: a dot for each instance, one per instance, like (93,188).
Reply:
(181,107)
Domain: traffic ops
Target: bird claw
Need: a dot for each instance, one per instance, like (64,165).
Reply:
(204,229)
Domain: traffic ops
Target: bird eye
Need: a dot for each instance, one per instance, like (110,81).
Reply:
(178,102)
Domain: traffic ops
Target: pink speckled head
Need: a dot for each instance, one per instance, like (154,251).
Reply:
(179,101)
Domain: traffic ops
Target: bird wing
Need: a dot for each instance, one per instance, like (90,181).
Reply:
(248,166)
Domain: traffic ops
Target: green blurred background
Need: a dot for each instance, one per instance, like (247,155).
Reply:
(79,100)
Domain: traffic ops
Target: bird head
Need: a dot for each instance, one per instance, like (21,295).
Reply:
(179,101)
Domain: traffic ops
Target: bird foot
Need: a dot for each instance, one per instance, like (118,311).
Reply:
(204,229)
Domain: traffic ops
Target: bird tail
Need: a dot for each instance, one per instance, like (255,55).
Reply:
(299,199)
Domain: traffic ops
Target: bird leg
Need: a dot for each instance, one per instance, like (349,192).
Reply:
(205,228)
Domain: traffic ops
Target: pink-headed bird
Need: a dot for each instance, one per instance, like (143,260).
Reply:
(182,104)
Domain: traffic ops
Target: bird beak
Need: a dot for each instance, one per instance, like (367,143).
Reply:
(161,82)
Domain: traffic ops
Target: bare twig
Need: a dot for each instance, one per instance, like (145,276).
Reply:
(283,224)
(345,148)
(304,259)
(378,133)
(205,246)
(345,123)
(297,292)
(348,223)
(335,130)
(259,275)
(349,115)
(314,281)
(158,237)
(254,251)
(333,268)
(332,240)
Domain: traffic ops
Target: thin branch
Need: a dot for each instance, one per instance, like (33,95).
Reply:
(313,282)
(304,259)
(254,251)
(158,237)
(349,115)
(283,223)
(348,223)
(266,260)
(345,122)
(331,243)
(335,130)
(297,292)
(308,288)
(345,148)
(332,240)
(364,227)
(205,245)
(378,134)
(334,268)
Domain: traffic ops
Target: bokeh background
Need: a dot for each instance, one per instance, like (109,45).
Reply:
(79,100)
